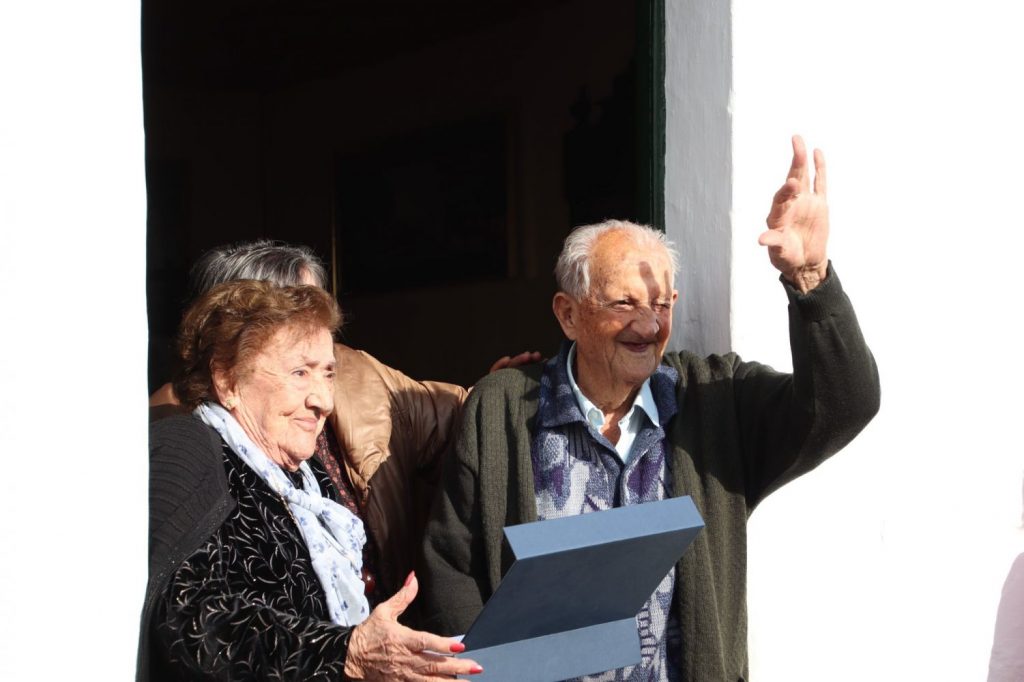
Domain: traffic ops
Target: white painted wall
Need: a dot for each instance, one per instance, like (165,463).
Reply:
(887,562)
(698,169)
(73,347)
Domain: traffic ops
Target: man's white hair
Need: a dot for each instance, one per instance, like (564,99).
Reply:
(572,271)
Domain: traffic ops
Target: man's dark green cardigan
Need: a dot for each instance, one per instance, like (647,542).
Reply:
(742,431)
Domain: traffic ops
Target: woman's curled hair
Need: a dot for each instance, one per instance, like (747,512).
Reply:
(231,323)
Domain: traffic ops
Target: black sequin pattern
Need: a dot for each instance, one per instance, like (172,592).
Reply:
(247,604)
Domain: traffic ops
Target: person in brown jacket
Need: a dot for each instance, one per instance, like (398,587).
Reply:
(383,442)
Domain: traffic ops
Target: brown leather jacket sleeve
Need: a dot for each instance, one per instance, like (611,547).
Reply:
(380,412)
(393,431)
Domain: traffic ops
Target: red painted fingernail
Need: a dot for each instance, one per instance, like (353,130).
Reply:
(457,647)
(412,574)
(475,670)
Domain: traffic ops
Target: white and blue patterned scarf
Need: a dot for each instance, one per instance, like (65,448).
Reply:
(334,536)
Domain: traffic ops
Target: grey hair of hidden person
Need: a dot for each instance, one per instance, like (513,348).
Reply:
(265,259)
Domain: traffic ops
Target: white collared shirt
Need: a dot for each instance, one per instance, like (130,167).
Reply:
(630,424)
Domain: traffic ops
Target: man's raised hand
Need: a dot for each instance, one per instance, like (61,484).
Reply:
(797,234)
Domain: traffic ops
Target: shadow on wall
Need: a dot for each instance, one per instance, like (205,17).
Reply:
(1007,662)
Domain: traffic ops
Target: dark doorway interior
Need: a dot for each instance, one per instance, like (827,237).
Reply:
(434,154)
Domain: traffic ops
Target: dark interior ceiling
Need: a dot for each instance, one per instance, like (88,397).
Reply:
(259,44)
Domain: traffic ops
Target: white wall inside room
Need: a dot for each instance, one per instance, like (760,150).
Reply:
(887,562)
(73,348)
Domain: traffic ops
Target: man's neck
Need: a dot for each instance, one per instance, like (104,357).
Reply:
(614,400)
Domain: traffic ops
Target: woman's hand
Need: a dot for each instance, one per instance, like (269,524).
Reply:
(383,649)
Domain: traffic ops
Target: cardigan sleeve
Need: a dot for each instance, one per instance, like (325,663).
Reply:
(454,569)
(486,484)
(211,629)
(789,423)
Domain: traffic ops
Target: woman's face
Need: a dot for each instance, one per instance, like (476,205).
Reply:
(284,395)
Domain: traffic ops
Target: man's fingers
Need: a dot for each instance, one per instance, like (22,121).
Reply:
(524,358)
(771,238)
(798,169)
(787,192)
(820,179)
(500,363)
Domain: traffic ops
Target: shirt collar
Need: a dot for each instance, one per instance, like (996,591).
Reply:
(557,405)
(644,398)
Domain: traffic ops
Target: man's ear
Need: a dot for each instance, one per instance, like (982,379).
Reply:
(567,312)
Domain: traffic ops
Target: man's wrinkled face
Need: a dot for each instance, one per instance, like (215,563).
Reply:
(622,327)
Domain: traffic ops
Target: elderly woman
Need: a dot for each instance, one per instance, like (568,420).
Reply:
(382,444)
(255,568)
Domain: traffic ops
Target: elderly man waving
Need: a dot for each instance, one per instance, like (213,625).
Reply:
(613,420)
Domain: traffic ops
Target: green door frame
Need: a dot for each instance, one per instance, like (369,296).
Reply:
(650,102)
